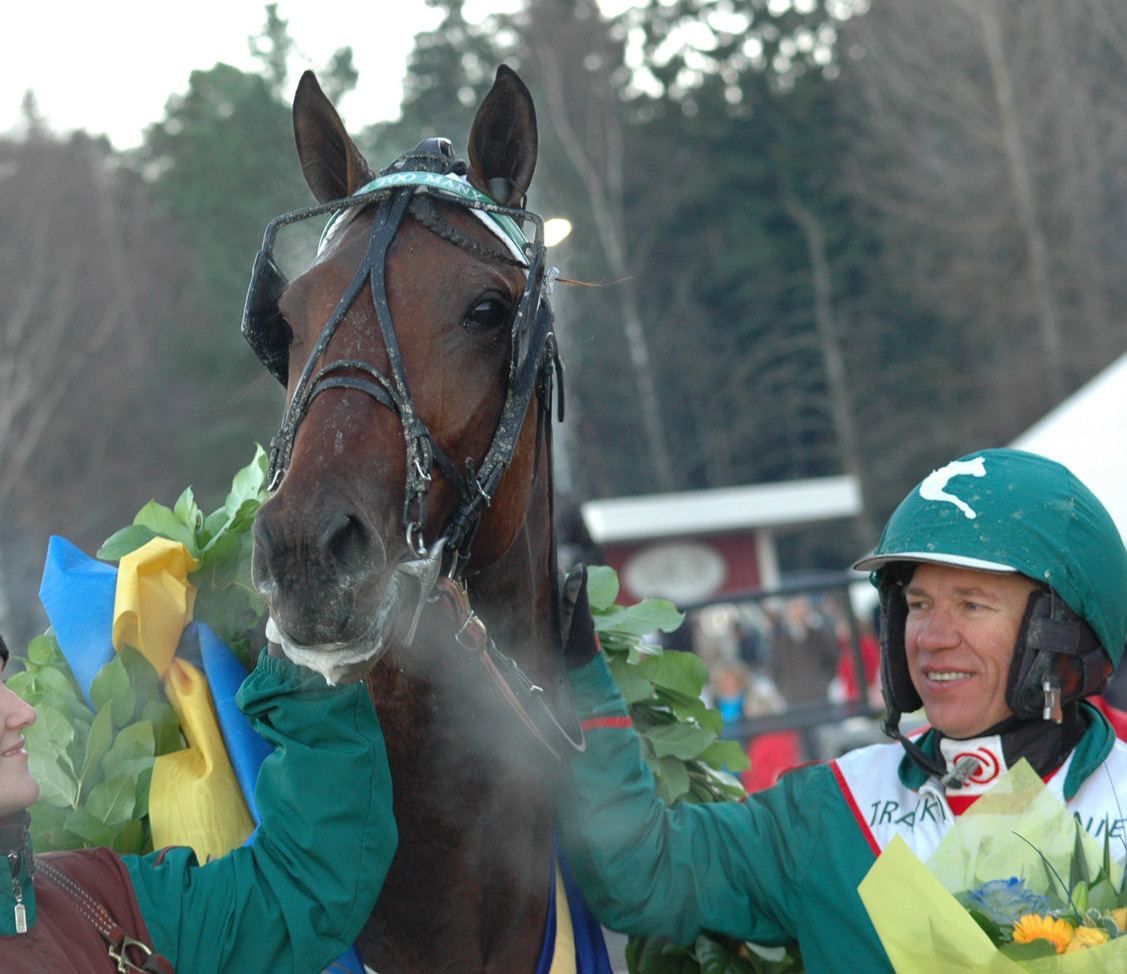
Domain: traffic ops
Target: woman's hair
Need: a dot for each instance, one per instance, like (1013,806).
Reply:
(3,651)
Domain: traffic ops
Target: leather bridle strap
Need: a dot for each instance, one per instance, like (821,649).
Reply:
(522,695)
(474,487)
(422,452)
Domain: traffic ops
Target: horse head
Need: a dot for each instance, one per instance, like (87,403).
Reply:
(413,350)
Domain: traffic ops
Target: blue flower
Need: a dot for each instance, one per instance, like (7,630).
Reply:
(1004,900)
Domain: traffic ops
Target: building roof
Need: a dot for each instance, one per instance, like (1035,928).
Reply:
(1088,434)
(787,504)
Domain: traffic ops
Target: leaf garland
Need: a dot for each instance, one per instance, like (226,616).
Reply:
(94,763)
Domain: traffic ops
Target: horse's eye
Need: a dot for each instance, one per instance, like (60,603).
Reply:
(488,315)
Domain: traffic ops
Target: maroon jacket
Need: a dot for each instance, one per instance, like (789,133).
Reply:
(63,939)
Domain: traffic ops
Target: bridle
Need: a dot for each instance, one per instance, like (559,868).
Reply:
(534,363)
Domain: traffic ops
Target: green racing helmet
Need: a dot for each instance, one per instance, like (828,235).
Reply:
(1012,512)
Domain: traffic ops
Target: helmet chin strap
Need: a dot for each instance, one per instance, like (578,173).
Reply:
(933,766)
(1044,745)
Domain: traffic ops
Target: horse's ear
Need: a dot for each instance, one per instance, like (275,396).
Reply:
(503,140)
(332,165)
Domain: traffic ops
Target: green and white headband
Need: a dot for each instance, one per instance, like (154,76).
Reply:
(504,227)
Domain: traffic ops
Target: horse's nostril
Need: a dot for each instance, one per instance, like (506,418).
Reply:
(347,543)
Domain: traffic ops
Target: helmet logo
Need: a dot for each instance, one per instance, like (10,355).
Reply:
(934,486)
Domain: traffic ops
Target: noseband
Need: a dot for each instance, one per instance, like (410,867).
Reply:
(430,170)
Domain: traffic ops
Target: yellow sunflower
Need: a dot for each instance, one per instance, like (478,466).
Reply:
(1120,918)
(1084,937)
(1033,927)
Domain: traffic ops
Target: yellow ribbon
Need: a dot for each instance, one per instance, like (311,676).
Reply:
(563,956)
(194,799)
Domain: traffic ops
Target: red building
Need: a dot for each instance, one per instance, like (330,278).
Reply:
(697,545)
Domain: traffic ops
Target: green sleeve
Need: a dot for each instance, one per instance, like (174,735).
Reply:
(735,868)
(296,898)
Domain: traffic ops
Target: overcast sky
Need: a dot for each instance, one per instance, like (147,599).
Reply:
(109,66)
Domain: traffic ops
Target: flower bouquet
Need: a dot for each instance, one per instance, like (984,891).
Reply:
(1017,885)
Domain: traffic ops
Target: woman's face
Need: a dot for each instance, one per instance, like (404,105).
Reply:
(18,788)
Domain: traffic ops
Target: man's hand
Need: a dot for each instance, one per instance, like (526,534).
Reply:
(580,644)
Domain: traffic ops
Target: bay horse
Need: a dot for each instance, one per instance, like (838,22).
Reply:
(408,540)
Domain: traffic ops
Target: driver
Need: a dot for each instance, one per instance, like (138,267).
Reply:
(1003,588)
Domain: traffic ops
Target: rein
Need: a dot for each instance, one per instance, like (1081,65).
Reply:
(533,362)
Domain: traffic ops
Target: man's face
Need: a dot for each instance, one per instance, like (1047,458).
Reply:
(18,788)
(960,635)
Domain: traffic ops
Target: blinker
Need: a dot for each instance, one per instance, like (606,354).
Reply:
(265,329)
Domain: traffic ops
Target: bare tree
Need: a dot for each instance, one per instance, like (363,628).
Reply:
(573,61)
(75,352)
(989,138)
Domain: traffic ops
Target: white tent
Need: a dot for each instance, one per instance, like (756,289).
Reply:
(1088,434)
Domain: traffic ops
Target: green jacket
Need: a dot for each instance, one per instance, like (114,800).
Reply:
(780,868)
(295,899)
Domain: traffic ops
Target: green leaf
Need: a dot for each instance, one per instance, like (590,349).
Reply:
(51,729)
(715,958)
(633,685)
(130,838)
(1102,894)
(48,826)
(112,801)
(92,830)
(1079,870)
(726,754)
(133,751)
(652,615)
(57,785)
(602,587)
(44,649)
(684,673)
(164,522)
(249,484)
(112,688)
(680,740)
(142,678)
(656,955)
(97,743)
(1030,951)
(672,779)
(47,682)
(1080,898)
(123,542)
(187,512)
(166,726)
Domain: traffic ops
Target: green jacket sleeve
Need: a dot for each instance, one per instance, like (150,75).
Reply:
(647,869)
(295,899)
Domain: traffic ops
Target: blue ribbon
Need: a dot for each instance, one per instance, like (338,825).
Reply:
(590,946)
(78,594)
